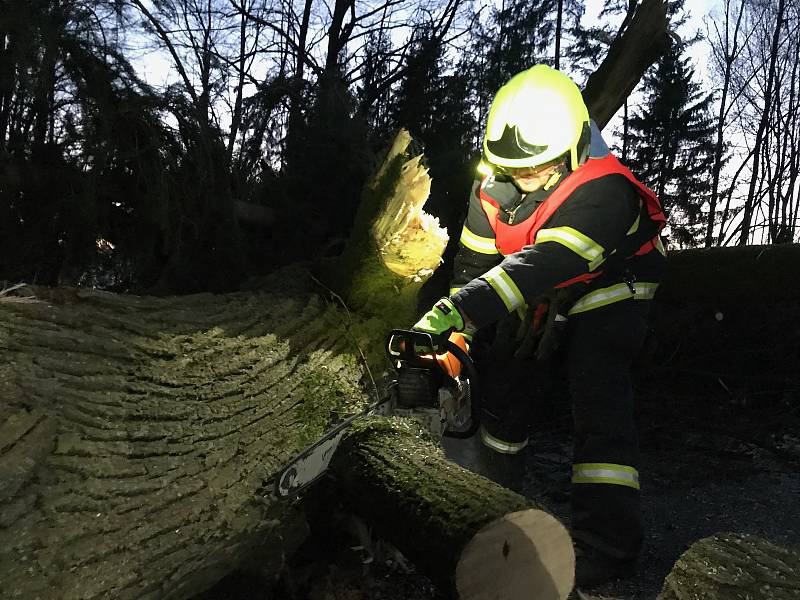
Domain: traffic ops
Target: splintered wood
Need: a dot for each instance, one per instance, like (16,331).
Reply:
(410,242)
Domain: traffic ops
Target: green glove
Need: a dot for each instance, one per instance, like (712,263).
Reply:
(443,317)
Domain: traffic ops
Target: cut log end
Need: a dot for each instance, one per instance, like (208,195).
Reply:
(525,554)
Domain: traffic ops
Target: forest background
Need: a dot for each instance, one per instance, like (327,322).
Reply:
(254,152)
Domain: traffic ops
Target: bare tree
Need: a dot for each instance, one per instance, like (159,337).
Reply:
(726,48)
(783,132)
(750,203)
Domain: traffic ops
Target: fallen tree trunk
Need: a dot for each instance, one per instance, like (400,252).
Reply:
(135,434)
(630,55)
(725,325)
(472,537)
(734,567)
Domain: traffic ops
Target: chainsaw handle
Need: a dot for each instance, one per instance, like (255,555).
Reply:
(474,392)
(408,344)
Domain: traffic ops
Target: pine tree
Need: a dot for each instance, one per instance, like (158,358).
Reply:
(372,104)
(672,143)
(434,102)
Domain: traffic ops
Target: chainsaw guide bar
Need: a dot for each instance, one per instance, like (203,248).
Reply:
(308,466)
(429,386)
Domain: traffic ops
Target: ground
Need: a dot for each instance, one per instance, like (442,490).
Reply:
(708,466)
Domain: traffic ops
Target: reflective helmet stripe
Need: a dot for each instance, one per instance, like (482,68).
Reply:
(607,473)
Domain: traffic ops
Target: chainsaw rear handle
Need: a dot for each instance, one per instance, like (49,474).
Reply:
(409,344)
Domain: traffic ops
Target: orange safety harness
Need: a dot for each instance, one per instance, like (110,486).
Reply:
(512,238)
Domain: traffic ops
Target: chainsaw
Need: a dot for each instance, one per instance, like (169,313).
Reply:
(435,382)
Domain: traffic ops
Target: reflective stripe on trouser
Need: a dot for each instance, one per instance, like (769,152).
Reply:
(601,345)
(502,446)
(605,473)
(512,387)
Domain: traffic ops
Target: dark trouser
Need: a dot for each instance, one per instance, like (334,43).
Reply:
(601,345)
(516,388)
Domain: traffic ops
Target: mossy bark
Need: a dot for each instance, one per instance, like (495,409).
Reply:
(734,567)
(136,432)
(395,477)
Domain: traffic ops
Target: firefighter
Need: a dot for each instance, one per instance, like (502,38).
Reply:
(555,210)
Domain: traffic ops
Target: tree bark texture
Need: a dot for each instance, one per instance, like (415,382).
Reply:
(445,520)
(630,55)
(734,567)
(135,434)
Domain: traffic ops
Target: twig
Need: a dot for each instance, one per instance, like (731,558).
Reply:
(348,327)
(6,297)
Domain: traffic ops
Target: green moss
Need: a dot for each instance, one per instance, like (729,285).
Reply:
(410,432)
(378,292)
(370,288)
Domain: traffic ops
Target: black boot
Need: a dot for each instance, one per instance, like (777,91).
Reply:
(593,568)
(507,470)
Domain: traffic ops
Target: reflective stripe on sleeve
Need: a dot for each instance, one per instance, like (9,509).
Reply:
(607,473)
(573,239)
(499,445)
(453,290)
(505,287)
(476,243)
(645,290)
(614,293)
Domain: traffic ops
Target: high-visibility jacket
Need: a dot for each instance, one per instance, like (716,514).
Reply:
(595,225)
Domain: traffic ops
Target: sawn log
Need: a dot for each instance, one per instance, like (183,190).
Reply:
(729,566)
(474,539)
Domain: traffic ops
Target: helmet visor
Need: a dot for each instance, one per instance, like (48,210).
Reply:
(512,146)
